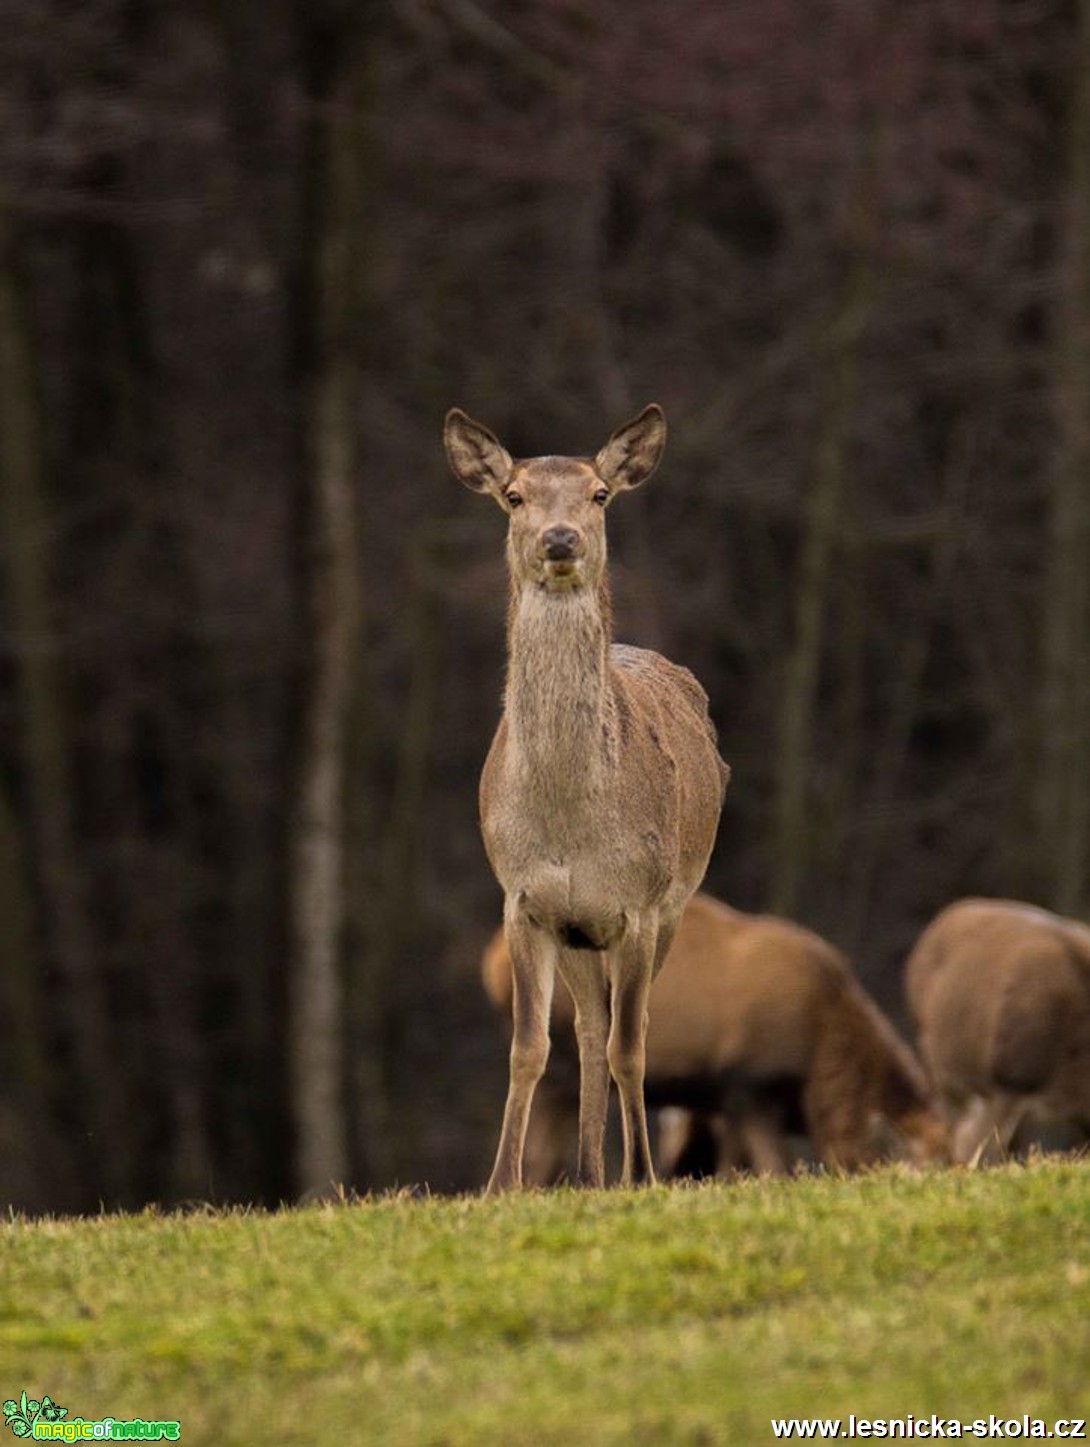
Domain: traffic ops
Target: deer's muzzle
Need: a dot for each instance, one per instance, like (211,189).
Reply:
(560,544)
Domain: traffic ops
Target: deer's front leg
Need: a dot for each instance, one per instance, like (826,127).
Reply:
(987,1128)
(584,974)
(631,970)
(532,969)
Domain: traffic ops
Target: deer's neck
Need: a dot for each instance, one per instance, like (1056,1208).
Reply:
(900,1086)
(558,702)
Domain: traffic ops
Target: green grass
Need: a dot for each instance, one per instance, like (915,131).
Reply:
(670,1315)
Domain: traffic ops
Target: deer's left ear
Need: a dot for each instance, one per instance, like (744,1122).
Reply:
(633,452)
(476,455)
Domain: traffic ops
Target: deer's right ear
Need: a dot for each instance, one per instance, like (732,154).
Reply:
(476,455)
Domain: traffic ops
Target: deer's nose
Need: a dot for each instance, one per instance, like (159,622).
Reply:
(559,543)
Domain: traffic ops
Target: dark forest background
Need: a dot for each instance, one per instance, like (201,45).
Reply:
(251,630)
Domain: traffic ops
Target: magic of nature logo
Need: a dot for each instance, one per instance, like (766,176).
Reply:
(48,1421)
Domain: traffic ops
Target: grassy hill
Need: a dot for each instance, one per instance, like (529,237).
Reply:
(691,1314)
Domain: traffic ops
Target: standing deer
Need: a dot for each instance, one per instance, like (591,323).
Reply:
(600,796)
(758,1028)
(1001,996)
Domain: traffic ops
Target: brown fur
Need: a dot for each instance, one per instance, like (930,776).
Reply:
(745,1006)
(601,793)
(1000,992)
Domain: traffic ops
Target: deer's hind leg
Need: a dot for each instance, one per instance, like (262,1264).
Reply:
(549,1134)
(760,1130)
(533,969)
(583,971)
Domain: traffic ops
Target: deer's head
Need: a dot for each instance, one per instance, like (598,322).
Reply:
(555,505)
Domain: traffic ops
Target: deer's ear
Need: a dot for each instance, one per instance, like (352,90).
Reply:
(476,455)
(633,452)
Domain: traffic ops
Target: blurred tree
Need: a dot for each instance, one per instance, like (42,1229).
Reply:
(33,1176)
(91,1084)
(797,758)
(333,48)
(1065,696)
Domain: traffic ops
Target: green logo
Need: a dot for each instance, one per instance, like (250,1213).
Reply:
(45,1421)
(22,1415)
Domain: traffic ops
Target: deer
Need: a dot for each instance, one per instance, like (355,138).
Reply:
(600,796)
(758,1027)
(1000,994)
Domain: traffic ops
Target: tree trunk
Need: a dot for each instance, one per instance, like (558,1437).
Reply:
(29,1179)
(889,751)
(80,1005)
(383,919)
(792,821)
(330,608)
(1065,779)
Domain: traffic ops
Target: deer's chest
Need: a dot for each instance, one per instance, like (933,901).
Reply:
(575,855)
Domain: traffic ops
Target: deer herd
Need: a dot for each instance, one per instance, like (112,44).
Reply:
(599,805)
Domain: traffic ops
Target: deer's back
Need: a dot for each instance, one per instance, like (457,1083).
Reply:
(663,713)
(741,993)
(1001,996)
(672,708)
(672,772)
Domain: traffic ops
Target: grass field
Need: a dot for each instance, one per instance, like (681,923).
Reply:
(685,1314)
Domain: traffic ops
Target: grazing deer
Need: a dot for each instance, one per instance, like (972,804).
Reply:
(601,793)
(1000,992)
(757,1026)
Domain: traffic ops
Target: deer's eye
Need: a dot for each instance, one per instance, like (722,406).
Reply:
(514,499)
(601,497)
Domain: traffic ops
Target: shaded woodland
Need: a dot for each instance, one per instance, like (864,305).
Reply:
(251,630)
